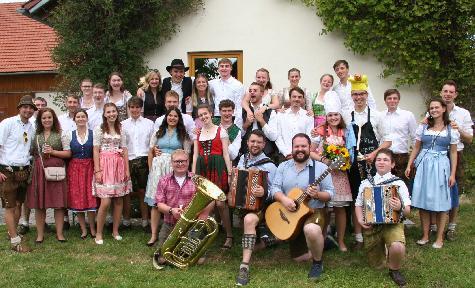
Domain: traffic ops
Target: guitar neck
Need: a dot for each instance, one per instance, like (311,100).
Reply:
(315,183)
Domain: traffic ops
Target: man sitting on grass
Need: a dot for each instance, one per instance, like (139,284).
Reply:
(382,236)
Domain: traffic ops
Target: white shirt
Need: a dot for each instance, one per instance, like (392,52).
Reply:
(403,192)
(344,93)
(230,89)
(377,120)
(285,125)
(33,120)
(270,134)
(233,148)
(402,125)
(187,120)
(177,88)
(67,123)
(14,151)
(462,117)
(95,117)
(138,134)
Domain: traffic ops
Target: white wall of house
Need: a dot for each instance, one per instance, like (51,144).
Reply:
(277,35)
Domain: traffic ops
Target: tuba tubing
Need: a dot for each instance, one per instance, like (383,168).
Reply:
(191,237)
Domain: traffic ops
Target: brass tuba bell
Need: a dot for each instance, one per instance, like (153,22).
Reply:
(191,237)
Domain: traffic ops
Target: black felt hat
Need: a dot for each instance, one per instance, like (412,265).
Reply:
(177,63)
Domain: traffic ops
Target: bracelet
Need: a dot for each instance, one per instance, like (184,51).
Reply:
(170,211)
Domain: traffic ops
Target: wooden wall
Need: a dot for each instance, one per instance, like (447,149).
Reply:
(12,87)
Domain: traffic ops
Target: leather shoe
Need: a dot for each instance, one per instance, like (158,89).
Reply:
(397,277)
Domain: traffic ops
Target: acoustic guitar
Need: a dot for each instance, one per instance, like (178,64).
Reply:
(285,224)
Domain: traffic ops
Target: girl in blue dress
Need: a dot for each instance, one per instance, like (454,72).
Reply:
(436,151)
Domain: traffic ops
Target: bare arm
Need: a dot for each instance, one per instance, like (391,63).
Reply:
(453,164)
(415,151)
(195,156)
(245,103)
(150,158)
(97,165)
(227,160)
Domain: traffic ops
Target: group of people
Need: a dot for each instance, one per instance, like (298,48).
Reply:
(112,144)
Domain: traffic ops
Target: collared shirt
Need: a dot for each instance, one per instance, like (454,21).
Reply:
(177,87)
(287,177)
(462,117)
(95,117)
(67,123)
(265,128)
(285,125)
(344,93)
(403,192)
(169,192)
(230,89)
(269,167)
(138,134)
(402,125)
(380,129)
(187,121)
(14,151)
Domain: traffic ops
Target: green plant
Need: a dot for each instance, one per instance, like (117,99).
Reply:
(423,41)
(97,37)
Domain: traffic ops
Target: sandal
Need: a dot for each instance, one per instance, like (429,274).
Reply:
(228,245)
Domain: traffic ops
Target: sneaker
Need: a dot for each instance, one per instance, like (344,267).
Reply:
(21,247)
(243,277)
(23,229)
(316,271)
(397,277)
(450,235)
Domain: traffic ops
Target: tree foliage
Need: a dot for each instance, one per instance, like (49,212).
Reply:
(418,41)
(97,37)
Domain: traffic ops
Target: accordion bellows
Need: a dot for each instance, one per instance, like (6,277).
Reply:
(376,208)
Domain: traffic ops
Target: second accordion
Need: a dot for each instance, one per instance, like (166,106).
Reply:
(376,208)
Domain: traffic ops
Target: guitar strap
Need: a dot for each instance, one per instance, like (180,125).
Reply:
(311,173)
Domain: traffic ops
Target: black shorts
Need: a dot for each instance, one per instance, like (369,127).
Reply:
(138,173)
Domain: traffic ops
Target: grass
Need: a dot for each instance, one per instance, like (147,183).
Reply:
(81,263)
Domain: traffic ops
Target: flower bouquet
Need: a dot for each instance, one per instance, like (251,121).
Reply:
(332,152)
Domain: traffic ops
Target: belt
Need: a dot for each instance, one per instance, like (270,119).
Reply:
(14,168)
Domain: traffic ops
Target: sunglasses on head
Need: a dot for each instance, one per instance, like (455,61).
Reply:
(25,137)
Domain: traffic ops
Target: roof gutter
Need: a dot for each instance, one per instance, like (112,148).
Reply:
(38,6)
(28,73)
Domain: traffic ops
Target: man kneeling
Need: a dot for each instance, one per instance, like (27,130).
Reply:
(381,236)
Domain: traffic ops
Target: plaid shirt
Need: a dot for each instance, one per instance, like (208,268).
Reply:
(169,192)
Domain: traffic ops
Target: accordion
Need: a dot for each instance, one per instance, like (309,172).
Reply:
(376,208)
(240,193)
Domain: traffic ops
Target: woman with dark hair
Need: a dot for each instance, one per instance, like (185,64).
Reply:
(80,174)
(169,137)
(154,105)
(117,94)
(111,170)
(211,160)
(200,95)
(49,148)
(435,170)
(333,131)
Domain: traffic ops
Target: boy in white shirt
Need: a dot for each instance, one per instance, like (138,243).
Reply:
(378,238)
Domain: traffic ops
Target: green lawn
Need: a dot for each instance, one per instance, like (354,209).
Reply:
(128,264)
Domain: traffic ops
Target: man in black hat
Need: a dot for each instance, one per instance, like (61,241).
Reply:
(179,83)
(16,134)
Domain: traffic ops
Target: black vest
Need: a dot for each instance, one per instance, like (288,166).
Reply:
(153,107)
(186,87)
(270,148)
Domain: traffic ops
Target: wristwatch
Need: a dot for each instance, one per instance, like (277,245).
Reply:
(170,211)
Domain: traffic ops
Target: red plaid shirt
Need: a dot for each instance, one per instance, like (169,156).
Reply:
(169,192)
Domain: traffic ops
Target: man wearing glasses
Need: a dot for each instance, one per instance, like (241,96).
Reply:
(371,134)
(16,134)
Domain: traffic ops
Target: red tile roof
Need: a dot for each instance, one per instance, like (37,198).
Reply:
(25,44)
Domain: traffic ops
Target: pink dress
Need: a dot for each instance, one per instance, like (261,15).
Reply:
(341,183)
(112,164)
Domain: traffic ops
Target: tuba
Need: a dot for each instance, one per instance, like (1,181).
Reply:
(190,237)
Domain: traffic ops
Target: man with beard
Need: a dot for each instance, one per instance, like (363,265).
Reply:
(300,172)
(15,141)
(254,159)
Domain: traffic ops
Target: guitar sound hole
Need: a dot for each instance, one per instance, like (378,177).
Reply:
(297,205)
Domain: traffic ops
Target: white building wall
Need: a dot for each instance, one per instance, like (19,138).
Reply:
(277,35)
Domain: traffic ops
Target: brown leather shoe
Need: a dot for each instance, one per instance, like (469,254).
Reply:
(21,247)
(397,277)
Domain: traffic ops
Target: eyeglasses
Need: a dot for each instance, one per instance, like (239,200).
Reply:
(86,86)
(356,94)
(180,161)
(25,137)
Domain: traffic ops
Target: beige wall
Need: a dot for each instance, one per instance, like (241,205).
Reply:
(277,35)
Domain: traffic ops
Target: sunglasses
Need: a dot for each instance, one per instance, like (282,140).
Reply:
(25,137)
